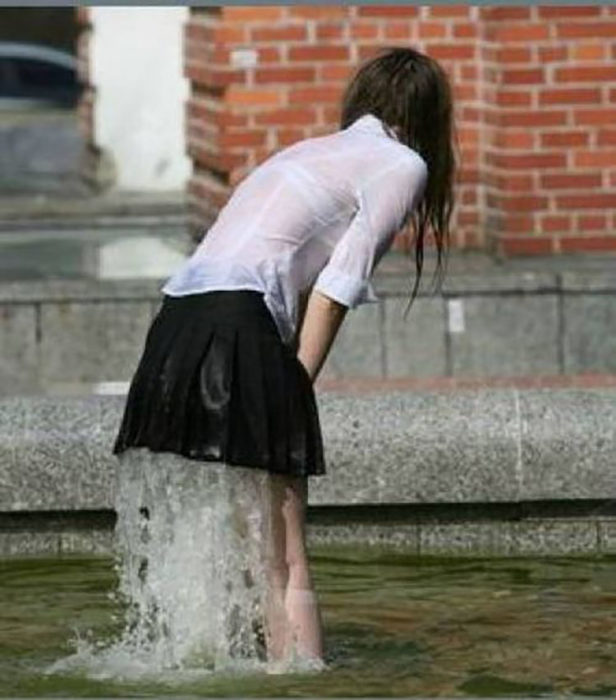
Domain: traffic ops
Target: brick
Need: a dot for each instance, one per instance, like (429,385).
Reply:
(574,181)
(465,30)
(335,71)
(557,12)
(318,52)
(571,244)
(589,52)
(314,95)
(512,182)
(331,115)
(468,196)
(243,138)
(387,11)
(284,75)
(367,51)
(523,76)
(586,29)
(512,54)
(286,137)
(554,224)
(330,31)
(606,137)
(577,74)
(508,140)
(513,98)
(522,203)
(548,54)
(268,54)
(494,14)
(363,30)
(287,115)
(586,201)
(528,160)
(215,161)
(199,32)
(230,34)
(465,93)
(518,223)
(584,159)
(397,30)
(448,10)
(566,139)
(252,13)
(519,32)
(533,118)
(237,95)
(569,96)
(468,218)
(458,52)
(594,116)
(518,245)
(431,30)
(281,32)
(592,221)
(468,71)
(215,78)
(318,12)
(468,135)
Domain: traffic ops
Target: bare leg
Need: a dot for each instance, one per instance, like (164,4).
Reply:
(290,580)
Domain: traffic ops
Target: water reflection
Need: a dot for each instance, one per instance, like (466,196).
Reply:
(98,252)
(395,625)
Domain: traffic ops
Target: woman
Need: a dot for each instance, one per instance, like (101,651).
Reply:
(246,323)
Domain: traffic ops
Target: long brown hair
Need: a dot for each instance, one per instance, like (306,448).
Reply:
(408,89)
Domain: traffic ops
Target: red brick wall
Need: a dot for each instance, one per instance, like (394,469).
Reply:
(535,92)
(549,154)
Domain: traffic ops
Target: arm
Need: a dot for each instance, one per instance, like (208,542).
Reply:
(385,199)
(322,319)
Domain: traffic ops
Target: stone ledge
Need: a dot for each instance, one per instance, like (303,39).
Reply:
(50,210)
(486,446)
(533,537)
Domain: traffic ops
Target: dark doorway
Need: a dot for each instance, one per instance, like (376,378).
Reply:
(50,26)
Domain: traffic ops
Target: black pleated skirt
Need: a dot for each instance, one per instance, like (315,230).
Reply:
(215,382)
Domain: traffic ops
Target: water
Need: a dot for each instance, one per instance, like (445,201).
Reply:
(395,625)
(99,249)
(191,547)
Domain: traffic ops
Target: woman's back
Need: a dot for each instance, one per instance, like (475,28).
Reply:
(279,228)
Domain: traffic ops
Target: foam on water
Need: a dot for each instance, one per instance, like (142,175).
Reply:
(191,545)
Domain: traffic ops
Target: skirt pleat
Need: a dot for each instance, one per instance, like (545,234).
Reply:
(215,382)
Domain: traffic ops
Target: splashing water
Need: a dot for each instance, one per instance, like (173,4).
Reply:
(191,550)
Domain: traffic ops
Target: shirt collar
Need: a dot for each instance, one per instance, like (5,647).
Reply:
(370,122)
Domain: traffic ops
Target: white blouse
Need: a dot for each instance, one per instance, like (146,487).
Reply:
(318,214)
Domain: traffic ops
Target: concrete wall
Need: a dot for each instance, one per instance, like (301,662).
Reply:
(136,68)
(57,334)
(495,472)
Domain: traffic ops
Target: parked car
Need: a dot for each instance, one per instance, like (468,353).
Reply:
(33,75)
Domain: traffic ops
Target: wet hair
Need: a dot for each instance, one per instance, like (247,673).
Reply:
(407,89)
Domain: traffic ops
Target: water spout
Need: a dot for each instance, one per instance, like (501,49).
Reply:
(191,544)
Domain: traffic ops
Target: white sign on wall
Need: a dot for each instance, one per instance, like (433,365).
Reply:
(244,58)
(455,315)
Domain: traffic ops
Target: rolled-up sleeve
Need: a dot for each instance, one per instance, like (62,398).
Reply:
(385,200)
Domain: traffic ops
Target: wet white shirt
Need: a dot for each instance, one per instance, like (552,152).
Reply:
(318,214)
